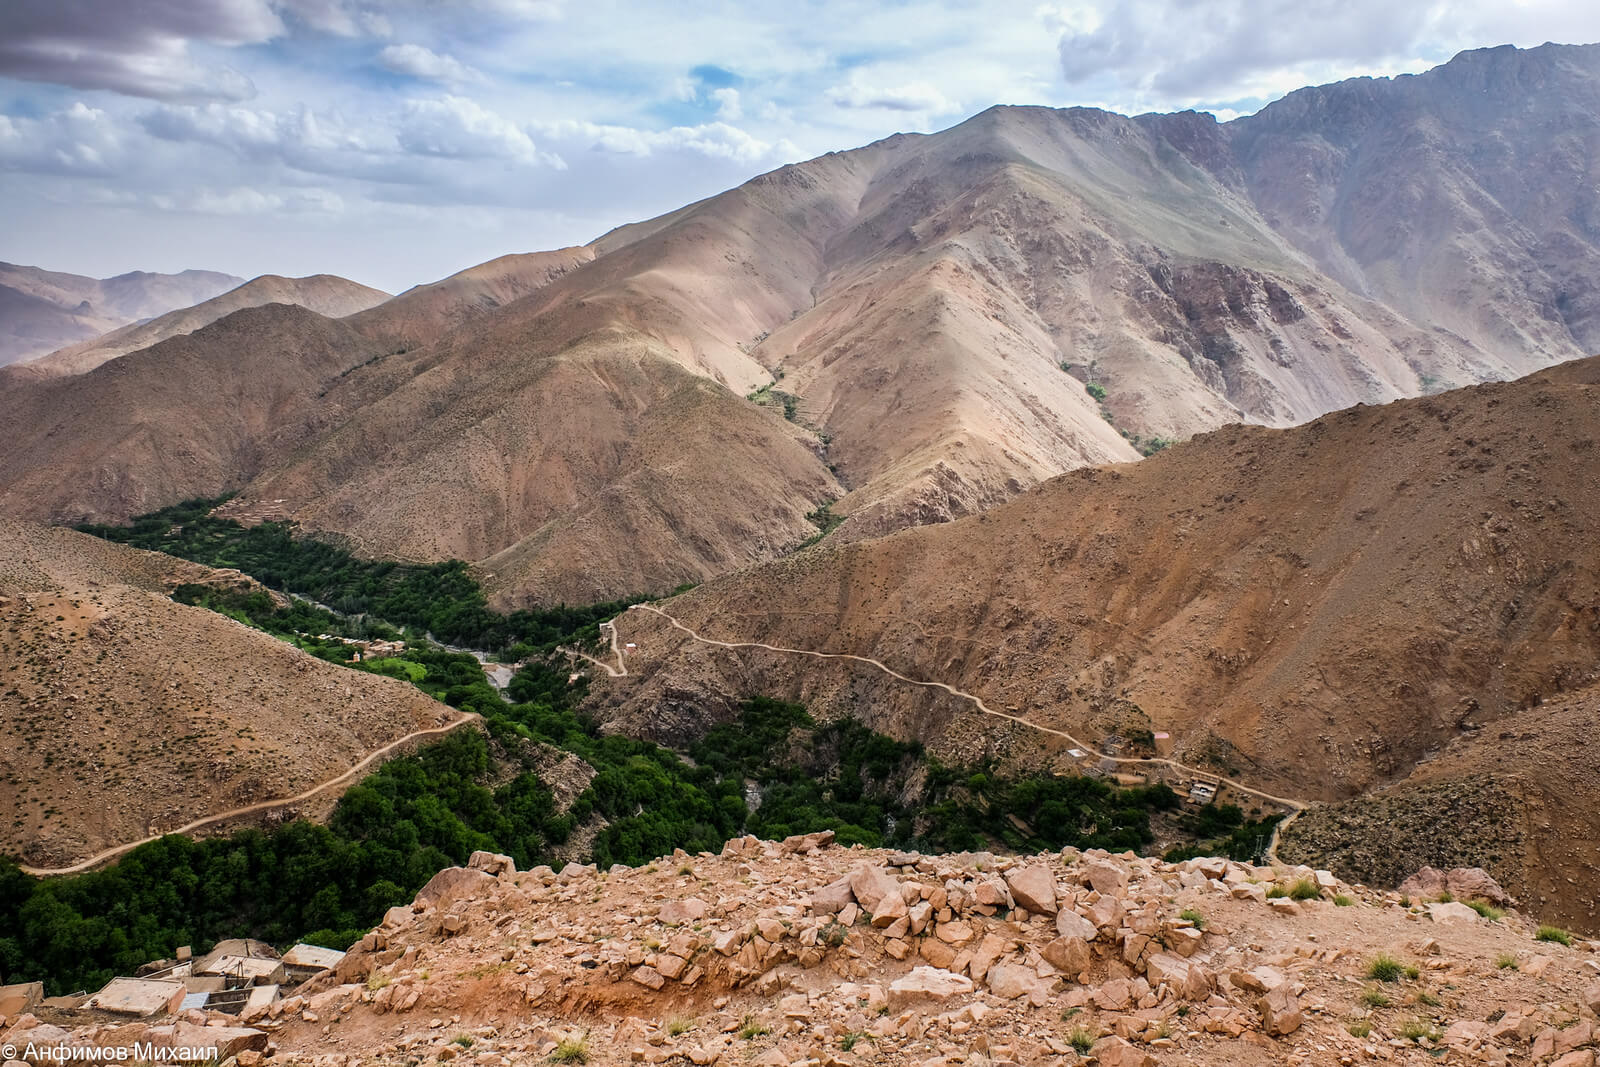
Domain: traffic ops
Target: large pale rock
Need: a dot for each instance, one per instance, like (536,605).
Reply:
(1475,883)
(1258,979)
(870,885)
(890,910)
(1466,883)
(806,842)
(1107,913)
(1451,913)
(832,898)
(1070,955)
(1010,981)
(492,863)
(1580,1058)
(678,912)
(1033,887)
(649,977)
(989,950)
(1115,1052)
(454,884)
(992,893)
(1591,997)
(1115,995)
(927,983)
(1280,1011)
(1070,924)
(1107,878)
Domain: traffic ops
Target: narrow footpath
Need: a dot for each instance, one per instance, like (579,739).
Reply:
(621,671)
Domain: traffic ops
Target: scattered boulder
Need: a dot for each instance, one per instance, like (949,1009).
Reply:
(1115,1052)
(1070,955)
(1033,887)
(1280,1011)
(1466,883)
(492,863)
(927,983)
(832,898)
(1451,912)
(454,884)
(1107,878)
(806,842)
(1009,981)
(678,912)
(869,885)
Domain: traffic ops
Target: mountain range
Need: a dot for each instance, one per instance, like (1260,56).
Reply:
(41,310)
(928,326)
(1273,436)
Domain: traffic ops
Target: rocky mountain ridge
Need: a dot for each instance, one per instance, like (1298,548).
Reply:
(800,952)
(925,326)
(42,310)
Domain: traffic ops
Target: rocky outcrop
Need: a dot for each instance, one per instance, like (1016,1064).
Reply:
(777,954)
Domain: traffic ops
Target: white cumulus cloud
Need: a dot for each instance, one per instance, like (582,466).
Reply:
(416,61)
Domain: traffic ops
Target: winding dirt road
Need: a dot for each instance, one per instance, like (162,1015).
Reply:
(266,805)
(621,670)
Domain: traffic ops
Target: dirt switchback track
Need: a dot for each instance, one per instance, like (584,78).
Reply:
(621,670)
(266,805)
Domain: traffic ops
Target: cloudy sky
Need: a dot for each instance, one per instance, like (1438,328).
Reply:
(395,141)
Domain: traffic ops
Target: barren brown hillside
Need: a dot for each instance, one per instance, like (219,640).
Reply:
(41,310)
(125,714)
(930,314)
(323,293)
(1317,610)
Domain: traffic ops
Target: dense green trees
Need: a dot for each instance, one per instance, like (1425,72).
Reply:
(479,790)
(440,599)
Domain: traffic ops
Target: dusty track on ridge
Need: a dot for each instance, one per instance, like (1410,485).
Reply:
(1294,806)
(266,805)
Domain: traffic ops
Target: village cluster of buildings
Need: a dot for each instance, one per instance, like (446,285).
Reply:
(240,977)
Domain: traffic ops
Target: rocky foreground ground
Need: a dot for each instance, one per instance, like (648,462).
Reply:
(803,952)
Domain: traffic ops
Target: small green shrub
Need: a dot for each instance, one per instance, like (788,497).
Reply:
(1487,910)
(1096,390)
(1342,900)
(1193,918)
(572,1050)
(1277,892)
(1554,933)
(464,1040)
(752,1029)
(1305,889)
(1419,1030)
(1081,1039)
(1506,961)
(850,1040)
(679,1026)
(1375,998)
(1358,1027)
(1425,997)
(1385,968)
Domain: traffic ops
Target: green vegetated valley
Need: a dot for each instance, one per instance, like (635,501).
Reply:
(773,772)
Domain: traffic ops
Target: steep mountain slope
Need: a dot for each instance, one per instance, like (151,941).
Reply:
(42,310)
(1317,610)
(1463,198)
(323,293)
(424,313)
(127,714)
(196,414)
(945,320)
